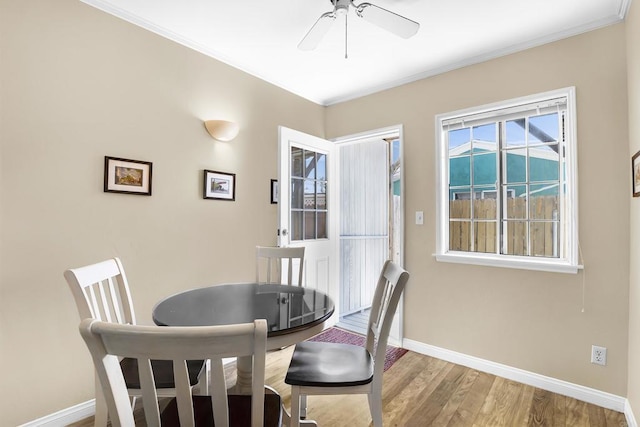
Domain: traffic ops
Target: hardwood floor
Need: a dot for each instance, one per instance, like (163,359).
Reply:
(423,391)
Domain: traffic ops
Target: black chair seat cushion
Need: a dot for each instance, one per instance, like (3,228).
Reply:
(323,364)
(162,372)
(239,411)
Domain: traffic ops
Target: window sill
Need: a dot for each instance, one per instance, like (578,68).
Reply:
(505,261)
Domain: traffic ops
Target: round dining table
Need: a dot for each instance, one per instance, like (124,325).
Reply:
(293,313)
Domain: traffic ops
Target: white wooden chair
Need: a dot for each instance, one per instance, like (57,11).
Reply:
(321,368)
(272,262)
(107,342)
(101,291)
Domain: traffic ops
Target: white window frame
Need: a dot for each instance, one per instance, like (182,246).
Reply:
(568,262)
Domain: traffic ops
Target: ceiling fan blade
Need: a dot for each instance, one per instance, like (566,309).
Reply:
(317,32)
(383,18)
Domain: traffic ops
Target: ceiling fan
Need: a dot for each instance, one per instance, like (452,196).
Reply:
(390,21)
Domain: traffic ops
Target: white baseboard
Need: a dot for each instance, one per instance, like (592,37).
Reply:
(66,416)
(586,394)
(628,414)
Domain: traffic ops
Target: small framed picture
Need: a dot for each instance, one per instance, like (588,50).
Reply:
(274,191)
(219,185)
(127,176)
(635,174)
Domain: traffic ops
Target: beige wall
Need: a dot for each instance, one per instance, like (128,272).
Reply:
(525,319)
(78,84)
(633,74)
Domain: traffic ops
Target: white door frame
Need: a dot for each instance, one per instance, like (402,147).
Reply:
(397,333)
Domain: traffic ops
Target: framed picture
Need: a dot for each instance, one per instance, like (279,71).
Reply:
(274,191)
(127,176)
(219,185)
(635,174)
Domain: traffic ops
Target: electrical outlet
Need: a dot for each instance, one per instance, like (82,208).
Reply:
(598,355)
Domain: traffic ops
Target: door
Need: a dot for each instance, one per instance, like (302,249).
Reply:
(308,206)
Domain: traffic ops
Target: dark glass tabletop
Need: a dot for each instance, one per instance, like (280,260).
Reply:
(287,309)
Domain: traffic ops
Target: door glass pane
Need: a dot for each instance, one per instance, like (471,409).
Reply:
(322,225)
(460,171)
(309,195)
(321,195)
(321,166)
(310,164)
(296,225)
(309,225)
(297,196)
(296,162)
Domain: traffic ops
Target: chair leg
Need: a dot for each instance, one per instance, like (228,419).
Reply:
(295,407)
(101,415)
(375,407)
(303,406)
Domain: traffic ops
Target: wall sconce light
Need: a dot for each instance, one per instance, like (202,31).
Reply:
(222,130)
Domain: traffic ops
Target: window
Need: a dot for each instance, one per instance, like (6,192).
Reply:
(507,190)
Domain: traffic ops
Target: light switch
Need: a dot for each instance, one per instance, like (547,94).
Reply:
(419,217)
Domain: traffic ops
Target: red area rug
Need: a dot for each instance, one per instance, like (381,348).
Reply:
(337,335)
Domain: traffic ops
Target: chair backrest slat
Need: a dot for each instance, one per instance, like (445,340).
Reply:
(101,291)
(107,341)
(390,285)
(276,265)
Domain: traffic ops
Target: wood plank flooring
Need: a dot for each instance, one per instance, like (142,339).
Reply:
(423,391)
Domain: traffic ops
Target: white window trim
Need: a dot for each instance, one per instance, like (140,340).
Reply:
(570,262)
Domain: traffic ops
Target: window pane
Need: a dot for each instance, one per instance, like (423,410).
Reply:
(459,235)
(515,201)
(515,236)
(515,132)
(309,225)
(322,225)
(310,164)
(484,169)
(543,202)
(543,164)
(484,205)
(296,225)
(485,236)
(460,205)
(544,239)
(297,197)
(457,138)
(460,171)
(296,162)
(321,167)
(516,165)
(543,128)
(485,133)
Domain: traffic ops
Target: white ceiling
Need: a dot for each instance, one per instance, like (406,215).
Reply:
(261,37)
